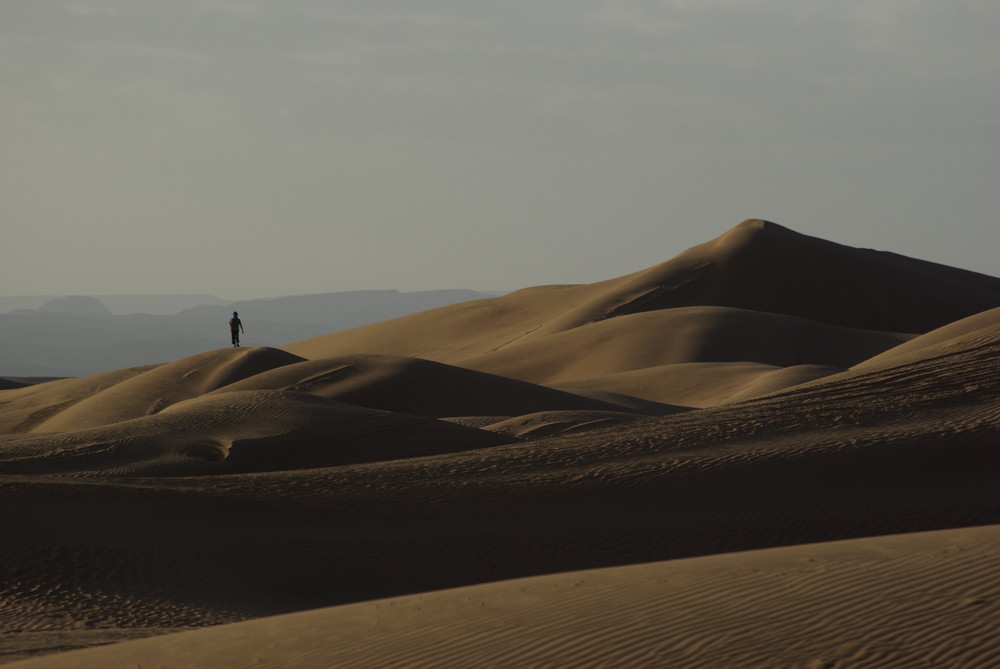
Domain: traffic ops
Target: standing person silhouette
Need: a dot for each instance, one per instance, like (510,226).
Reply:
(235,325)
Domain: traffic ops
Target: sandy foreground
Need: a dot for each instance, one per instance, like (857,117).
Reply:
(922,599)
(770,450)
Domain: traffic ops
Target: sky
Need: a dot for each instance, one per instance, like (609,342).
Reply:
(251,148)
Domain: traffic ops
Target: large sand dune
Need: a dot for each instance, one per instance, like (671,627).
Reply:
(757,265)
(687,434)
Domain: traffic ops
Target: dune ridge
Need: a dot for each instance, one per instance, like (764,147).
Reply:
(770,449)
(758,266)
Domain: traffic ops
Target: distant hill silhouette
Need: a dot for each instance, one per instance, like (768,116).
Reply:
(79,336)
(75,305)
(158,305)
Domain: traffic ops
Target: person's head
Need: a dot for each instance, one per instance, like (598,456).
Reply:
(235,314)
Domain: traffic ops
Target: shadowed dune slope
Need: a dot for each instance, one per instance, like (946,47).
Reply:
(758,265)
(762,266)
(909,448)
(416,386)
(923,599)
(684,335)
(238,432)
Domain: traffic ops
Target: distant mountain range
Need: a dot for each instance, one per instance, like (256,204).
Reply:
(157,305)
(82,335)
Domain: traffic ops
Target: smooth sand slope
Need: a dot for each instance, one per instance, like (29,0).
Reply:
(683,335)
(758,293)
(238,432)
(701,384)
(758,265)
(25,407)
(674,414)
(689,356)
(922,599)
(156,389)
(416,386)
(981,328)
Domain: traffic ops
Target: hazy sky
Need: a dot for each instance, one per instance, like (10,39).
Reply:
(251,149)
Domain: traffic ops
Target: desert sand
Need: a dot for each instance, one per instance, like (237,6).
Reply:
(770,450)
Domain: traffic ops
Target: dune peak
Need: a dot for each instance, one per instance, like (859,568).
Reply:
(762,224)
(745,237)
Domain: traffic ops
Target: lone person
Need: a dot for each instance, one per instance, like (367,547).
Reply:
(235,326)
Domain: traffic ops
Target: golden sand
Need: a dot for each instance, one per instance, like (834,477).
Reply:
(771,450)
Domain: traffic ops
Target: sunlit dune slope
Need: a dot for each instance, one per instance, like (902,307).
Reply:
(701,384)
(21,409)
(758,265)
(158,388)
(922,599)
(683,335)
(979,327)
(977,331)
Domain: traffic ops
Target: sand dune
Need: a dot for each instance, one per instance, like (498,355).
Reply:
(982,327)
(758,265)
(683,335)
(550,423)
(631,448)
(902,449)
(690,356)
(701,384)
(23,408)
(848,603)
(416,386)
(163,386)
(238,432)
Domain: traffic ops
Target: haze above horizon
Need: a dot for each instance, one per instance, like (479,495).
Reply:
(255,149)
